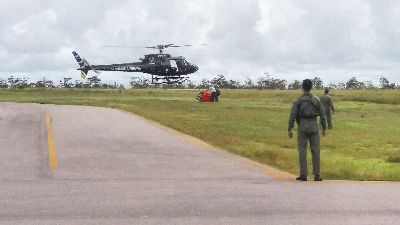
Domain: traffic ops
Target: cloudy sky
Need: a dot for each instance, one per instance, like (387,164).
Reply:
(290,39)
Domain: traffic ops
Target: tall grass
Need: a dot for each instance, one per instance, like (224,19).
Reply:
(364,144)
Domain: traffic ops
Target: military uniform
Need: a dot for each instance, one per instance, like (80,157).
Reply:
(308,130)
(327,102)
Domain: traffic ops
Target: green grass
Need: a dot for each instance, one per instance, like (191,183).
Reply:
(364,144)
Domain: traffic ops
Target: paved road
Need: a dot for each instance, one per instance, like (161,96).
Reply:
(116,168)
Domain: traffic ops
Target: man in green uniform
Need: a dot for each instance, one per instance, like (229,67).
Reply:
(305,111)
(327,102)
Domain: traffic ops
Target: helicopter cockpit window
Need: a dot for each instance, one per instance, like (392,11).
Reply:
(174,65)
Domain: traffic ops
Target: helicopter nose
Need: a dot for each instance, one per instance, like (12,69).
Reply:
(195,68)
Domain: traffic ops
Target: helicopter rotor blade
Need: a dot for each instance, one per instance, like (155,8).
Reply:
(123,46)
(159,47)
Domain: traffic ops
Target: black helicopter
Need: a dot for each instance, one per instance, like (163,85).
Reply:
(162,66)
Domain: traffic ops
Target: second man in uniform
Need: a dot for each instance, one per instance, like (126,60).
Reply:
(327,102)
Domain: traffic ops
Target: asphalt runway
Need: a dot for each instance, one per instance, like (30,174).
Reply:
(112,167)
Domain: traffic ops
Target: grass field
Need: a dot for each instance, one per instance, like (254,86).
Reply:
(364,144)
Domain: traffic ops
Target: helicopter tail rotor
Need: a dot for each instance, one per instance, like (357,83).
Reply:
(84,65)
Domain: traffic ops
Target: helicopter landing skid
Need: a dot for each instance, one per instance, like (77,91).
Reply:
(177,79)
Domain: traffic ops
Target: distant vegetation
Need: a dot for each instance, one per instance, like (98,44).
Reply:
(24,82)
(264,82)
(363,145)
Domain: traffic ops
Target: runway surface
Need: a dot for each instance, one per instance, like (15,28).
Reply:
(117,168)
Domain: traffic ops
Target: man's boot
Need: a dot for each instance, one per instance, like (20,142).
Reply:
(317,178)
(302,178)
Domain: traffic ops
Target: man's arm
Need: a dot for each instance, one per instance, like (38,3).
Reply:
(322,116)
(331,101)
(292,116)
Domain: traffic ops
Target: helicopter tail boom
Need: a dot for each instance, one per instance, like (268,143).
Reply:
(84,65)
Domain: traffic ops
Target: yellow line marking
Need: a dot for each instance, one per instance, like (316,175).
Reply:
(50,142)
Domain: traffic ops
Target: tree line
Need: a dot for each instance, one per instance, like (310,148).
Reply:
(66,82)
(267,81)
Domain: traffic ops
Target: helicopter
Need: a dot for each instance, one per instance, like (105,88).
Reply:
(163,68)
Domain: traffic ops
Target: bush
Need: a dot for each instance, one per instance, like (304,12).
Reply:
(394,158)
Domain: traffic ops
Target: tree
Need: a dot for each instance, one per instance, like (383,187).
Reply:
(295,85)
(79,84)
(17,82)
(341,85)
(317,83)
(47,83)
(67,82)
(353,83)
(94,81)
(248,83)
(139,82)
(384,83)
(3,83)
(221,81)
(204,83)
(268,82)
(368,84)
(233,84)
(11,81)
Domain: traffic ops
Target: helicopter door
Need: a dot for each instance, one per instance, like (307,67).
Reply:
(173,64)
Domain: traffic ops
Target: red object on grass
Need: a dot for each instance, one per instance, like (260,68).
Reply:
(204,96)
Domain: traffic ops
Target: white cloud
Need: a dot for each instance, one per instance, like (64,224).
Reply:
(292,39)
